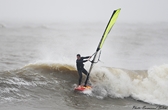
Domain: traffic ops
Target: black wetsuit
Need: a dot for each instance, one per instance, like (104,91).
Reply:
(80,67)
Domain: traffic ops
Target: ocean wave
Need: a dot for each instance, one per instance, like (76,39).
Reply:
(145,85)
(148,86)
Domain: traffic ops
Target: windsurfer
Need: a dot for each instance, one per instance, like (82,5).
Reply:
(80,66)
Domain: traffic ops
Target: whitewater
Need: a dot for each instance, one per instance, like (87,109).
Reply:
(38,68)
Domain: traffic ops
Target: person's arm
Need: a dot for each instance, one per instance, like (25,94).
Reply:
(85,61)
(86,57)
(81,60)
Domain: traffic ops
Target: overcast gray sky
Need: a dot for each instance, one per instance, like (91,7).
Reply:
(83,10)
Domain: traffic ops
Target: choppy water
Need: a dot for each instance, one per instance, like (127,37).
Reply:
(37,66)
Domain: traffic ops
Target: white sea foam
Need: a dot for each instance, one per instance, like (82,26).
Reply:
(118,83)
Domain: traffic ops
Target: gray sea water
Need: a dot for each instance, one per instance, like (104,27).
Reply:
(37,66)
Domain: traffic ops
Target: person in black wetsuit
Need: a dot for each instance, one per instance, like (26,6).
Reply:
(80,66)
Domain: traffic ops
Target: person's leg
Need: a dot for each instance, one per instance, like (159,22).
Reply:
(80,76)
(84,71)
(87,78)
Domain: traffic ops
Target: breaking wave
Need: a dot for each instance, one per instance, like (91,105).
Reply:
(148,86)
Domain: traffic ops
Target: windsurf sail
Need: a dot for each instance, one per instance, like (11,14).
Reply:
(107,30)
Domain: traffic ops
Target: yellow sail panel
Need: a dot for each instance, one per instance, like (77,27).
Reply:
(109,26)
